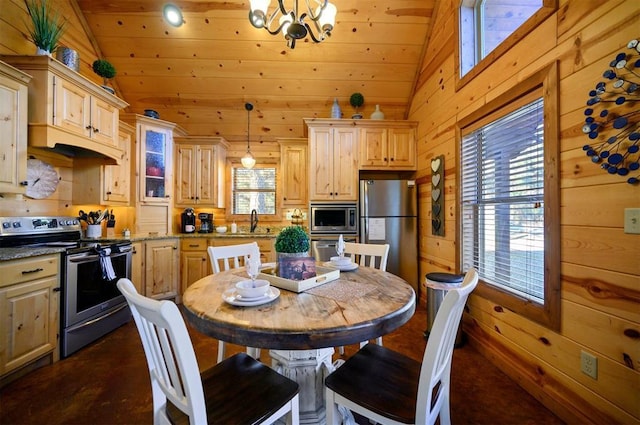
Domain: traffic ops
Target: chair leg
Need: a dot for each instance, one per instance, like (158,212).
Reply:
(341,350)
(293,418)
(222,348)
(254,352)
(333,415)
(379,341)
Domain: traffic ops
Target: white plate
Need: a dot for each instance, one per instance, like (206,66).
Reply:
(233,298)
(347,268)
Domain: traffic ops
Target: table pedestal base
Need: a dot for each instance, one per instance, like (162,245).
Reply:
(308,368)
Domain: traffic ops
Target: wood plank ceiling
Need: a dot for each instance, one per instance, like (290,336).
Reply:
(200,74)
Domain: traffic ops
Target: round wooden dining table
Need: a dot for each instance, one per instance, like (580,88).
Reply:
(301,329)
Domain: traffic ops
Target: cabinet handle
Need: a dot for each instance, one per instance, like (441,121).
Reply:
(193,245)
(109,193)
(174,247)
(39,269)
(96,130)
(56,289)
(167,196)
(88,127)
(24,183)
(392,159)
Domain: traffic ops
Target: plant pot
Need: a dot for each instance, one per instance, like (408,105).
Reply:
(69,57)
(288,255)
(356,116)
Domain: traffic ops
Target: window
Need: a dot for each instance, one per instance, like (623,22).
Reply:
(253,189)
(488,28)
(509,202)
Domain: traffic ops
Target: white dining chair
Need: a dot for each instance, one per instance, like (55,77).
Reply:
(390,388)
(238,390)
(229,257)
(367,255)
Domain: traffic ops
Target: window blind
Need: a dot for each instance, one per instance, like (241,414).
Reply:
(502,197)
(253,189)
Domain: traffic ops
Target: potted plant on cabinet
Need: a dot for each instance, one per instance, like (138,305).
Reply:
(104,69)
(356,100)
(47,26)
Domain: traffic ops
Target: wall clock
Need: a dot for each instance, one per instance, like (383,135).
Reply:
(42,179)
(613,117)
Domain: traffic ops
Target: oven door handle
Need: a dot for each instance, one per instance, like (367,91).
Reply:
(97,319)
(84,258)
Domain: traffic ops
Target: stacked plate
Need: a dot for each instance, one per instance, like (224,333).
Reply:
(343,264)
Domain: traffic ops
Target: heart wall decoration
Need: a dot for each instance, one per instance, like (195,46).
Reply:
(437,196)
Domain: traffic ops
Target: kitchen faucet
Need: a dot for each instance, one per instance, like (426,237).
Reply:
(254,220)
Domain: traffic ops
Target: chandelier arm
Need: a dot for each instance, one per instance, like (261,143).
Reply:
(310,32)
(282,8)
(310,9)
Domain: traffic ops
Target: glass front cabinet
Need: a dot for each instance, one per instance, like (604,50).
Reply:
(155,163)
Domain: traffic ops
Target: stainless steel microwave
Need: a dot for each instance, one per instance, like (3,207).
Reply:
(334,218)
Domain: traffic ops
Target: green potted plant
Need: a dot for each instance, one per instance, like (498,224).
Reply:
(104,69)
(356,100)
(47,26)
(292,240)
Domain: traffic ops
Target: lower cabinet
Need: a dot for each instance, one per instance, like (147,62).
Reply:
(266,245)
(194,261)
(29,311)
(137,266)
(161,269)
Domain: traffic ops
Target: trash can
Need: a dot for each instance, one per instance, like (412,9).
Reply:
(437,286)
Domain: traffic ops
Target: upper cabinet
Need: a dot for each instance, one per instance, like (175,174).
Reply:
(199,171)
(333,160)
(13,128)
(295,172)
(388,145)
(67,109)
(105,184)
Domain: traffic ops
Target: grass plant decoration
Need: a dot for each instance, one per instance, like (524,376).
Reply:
(47,25)
(104,69)
(292,239)
(356,100)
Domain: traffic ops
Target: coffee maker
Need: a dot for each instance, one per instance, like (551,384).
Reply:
(188,217)
(206,222)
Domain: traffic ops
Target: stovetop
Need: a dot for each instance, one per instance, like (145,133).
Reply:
(40,231)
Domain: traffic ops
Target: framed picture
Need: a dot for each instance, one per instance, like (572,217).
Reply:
(297,268)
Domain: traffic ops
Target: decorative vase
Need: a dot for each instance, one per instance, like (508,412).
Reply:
(336,112)
(69,57)
(377,114)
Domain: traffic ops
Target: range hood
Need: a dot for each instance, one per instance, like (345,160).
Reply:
(70,144)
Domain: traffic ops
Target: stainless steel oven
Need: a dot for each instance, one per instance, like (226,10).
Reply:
(323,247)
(333,219)
(92,304)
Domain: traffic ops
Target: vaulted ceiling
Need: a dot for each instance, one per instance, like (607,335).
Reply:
(200,74)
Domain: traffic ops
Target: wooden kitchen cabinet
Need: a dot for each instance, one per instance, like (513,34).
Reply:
(152,173)
(333,160)
(137,266)
(199,171)
(68,109)
(387,145)
(266,246)
(29,306)
(161,269)
(13,128)
(105,184)
(194,261)
(295,173)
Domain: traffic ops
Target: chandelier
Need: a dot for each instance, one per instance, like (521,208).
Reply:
(248,161)
(291,24)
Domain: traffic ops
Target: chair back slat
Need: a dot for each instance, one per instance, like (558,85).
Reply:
(368,255)
(231,254)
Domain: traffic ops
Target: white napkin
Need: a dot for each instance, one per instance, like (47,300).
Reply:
(340,246)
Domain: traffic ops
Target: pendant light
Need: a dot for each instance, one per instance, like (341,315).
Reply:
(248,161)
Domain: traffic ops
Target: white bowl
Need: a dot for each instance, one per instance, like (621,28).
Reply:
(341,261)
(246,289)
(221,229)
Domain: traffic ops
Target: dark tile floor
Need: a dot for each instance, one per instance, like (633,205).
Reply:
(108,383)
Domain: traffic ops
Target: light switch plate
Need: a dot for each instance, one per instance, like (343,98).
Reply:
(632,220)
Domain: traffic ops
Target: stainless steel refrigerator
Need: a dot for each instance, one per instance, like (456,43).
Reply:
(389,214)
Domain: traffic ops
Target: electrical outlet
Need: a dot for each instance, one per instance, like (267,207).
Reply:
(289,215)
(589,364)
(632,220)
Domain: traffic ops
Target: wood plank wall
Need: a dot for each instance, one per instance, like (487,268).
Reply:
(600,268)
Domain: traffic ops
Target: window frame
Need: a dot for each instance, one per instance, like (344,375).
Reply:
(229,216)
(548,8)
(545,82)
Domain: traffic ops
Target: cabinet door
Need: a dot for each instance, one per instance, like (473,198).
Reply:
(194,266)
(293,158)
(161,268)
(104,122)
(321,163)
(13,128)
(116,177)
(186,175)
(402,148)
(72,109)
(345,164)
(29,322)
(373,148)
(155,163)
(137,266)
(206,181)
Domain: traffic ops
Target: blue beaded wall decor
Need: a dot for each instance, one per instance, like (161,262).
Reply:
(612,116)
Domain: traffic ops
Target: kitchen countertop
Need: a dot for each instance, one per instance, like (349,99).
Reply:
(22,252)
